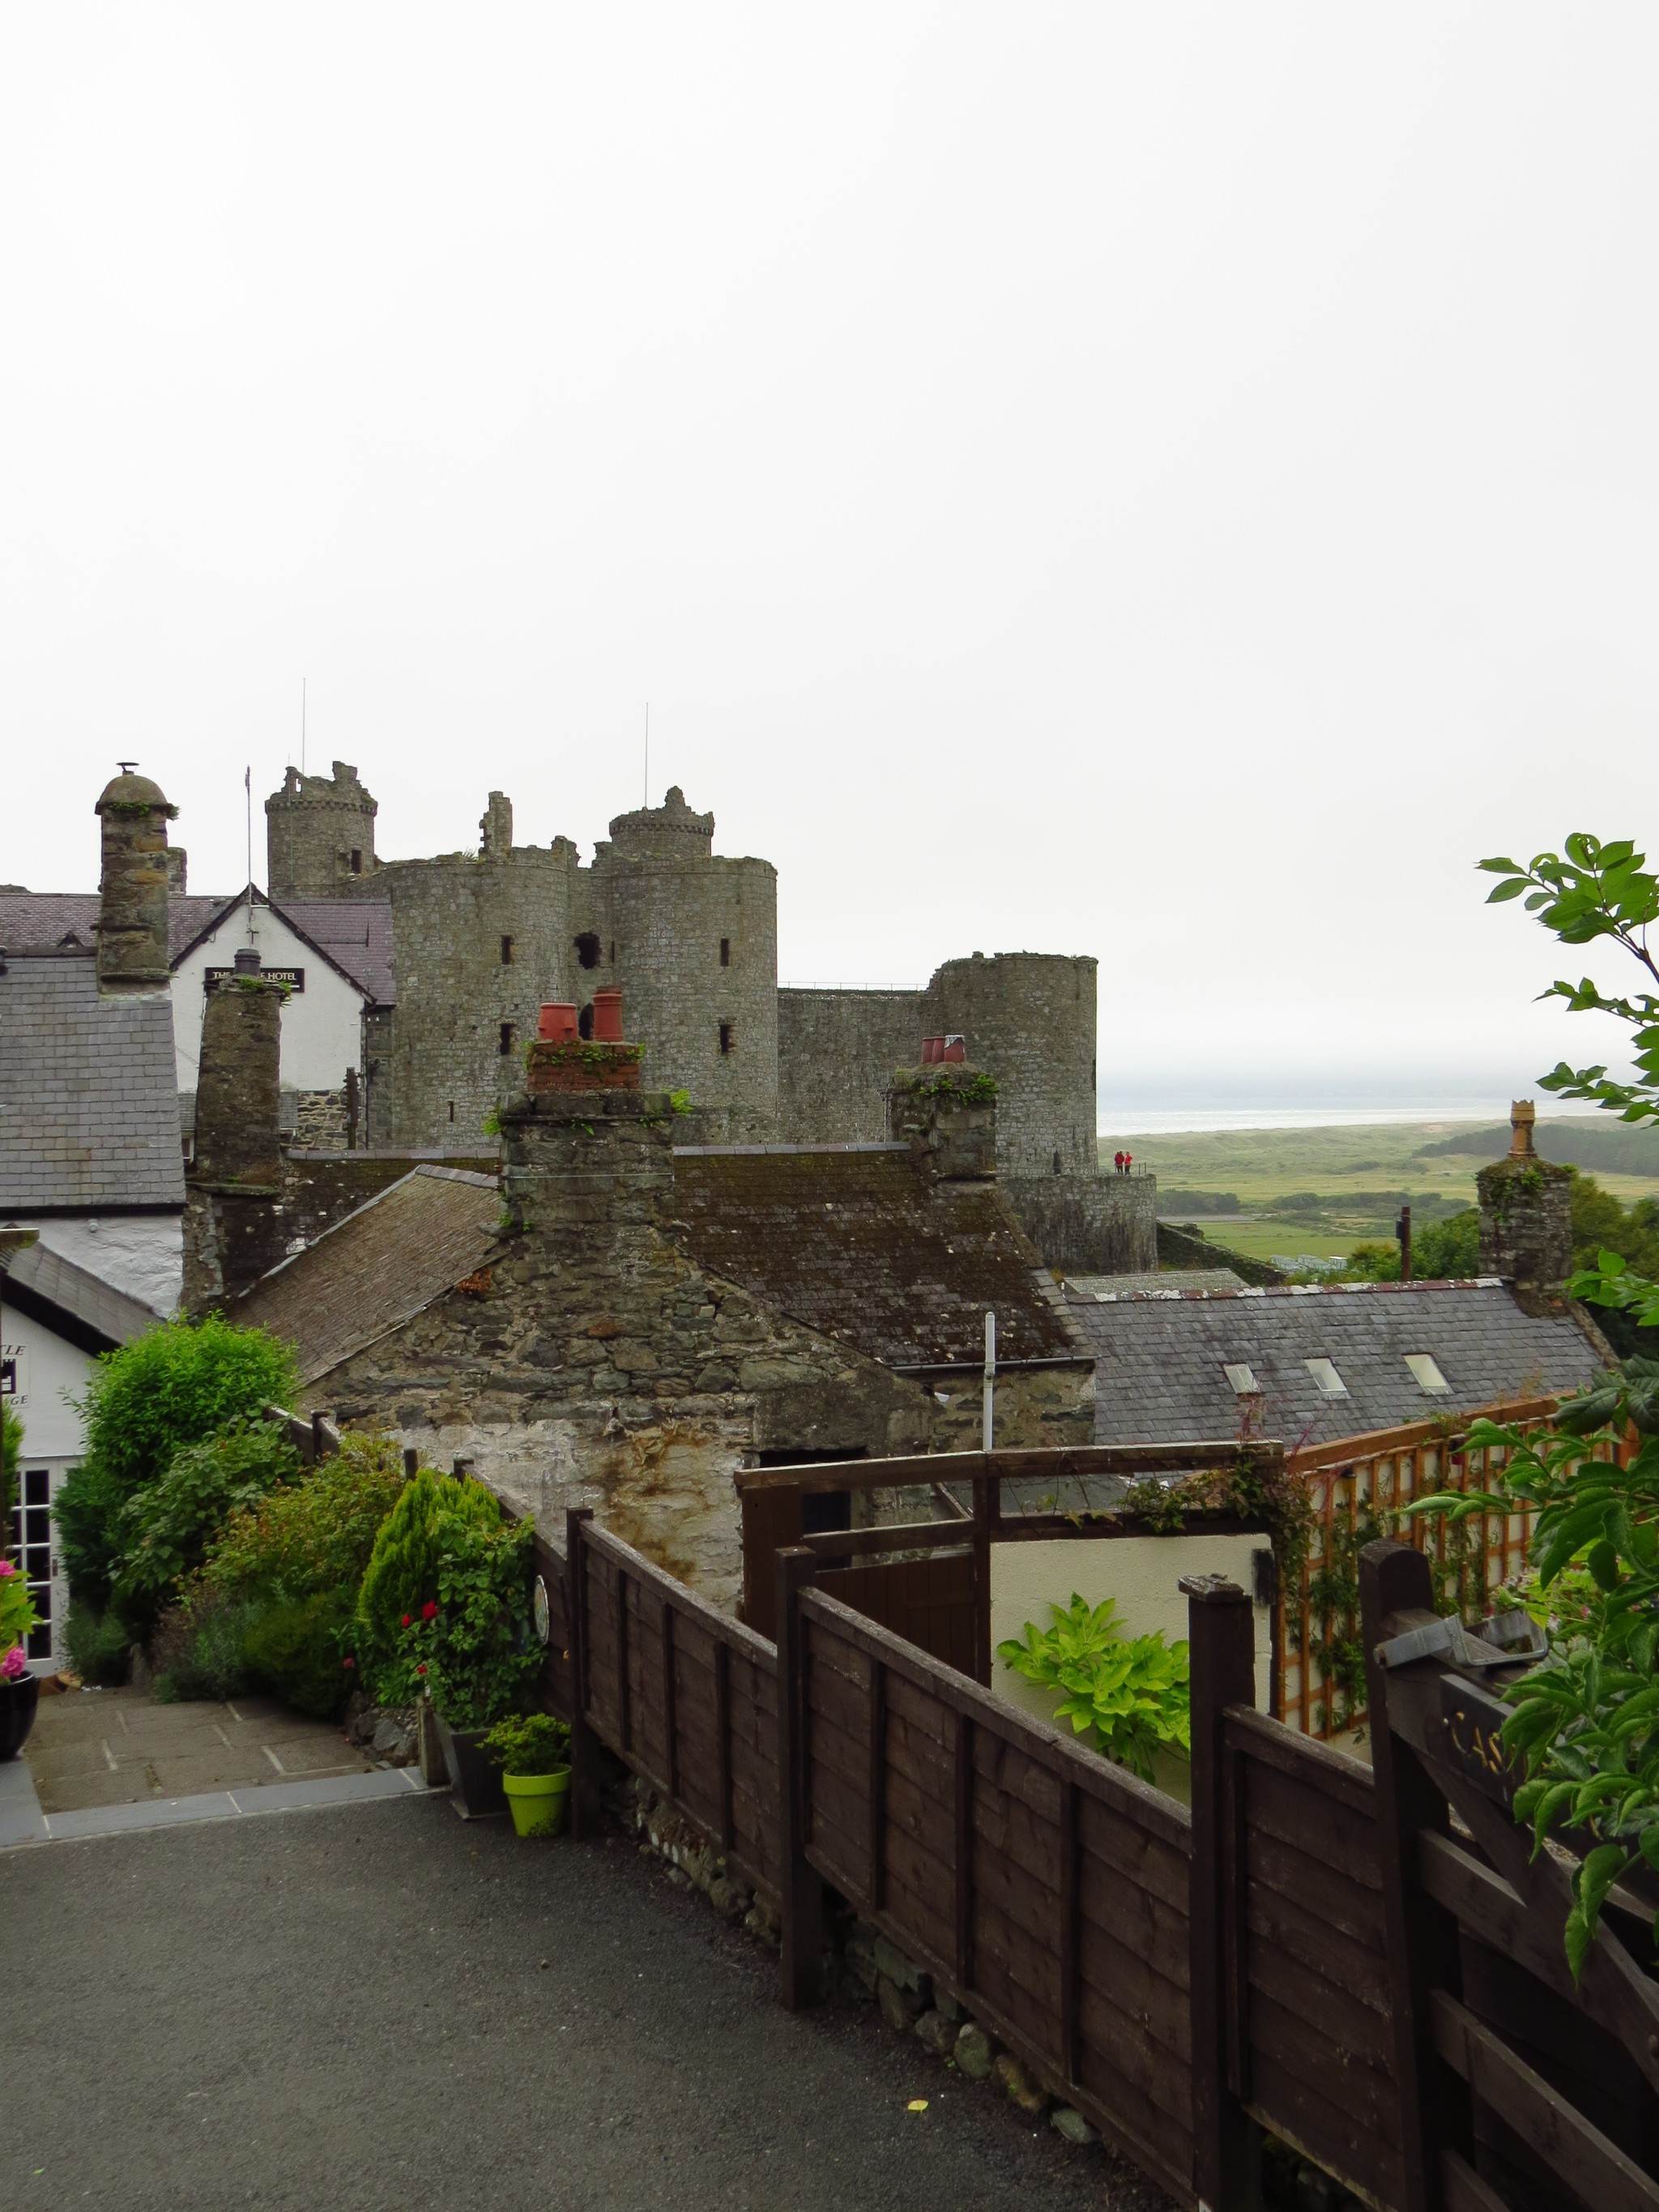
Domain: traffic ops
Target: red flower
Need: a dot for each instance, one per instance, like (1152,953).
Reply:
(420,1670)
(407,1619)
(351,1663)
(429,1610)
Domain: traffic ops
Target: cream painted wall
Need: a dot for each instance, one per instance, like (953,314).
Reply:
(1142,1572)
(52,1429)
(322,1025)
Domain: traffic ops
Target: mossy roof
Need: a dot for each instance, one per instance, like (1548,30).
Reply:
(862,1247)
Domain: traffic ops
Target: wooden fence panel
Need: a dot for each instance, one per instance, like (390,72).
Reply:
(688,1699)
(1046,1889)
(929,1600)
(1311,2043)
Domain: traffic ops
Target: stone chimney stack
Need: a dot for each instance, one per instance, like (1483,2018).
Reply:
(133,882)
(495,826)
(177,870)
(946,1112)
(233,1228)
(1525,1211)
(585,1153)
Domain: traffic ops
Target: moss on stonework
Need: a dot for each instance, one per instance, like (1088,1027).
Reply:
(971,1088)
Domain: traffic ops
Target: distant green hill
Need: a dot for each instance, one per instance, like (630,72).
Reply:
(1611,1147)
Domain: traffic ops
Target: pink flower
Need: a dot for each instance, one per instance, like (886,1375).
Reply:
(429,1611)
(7,1568)
(350,1662)
(14,1663)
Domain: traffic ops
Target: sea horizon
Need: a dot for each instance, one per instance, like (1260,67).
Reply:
(1198,1121)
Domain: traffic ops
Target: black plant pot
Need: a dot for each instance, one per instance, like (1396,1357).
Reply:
(475,1780)
(18,1701)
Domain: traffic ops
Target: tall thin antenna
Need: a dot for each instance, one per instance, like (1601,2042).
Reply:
(247,786)
(648,753)
(303,725)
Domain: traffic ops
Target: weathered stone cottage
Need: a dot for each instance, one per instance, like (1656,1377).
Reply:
(646,1316)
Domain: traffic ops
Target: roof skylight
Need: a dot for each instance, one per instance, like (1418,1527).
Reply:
(1327,1381)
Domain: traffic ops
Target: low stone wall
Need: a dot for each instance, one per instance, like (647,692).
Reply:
(1102,1225)
(1184,1248)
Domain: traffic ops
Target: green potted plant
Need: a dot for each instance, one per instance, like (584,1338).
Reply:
(533,1752)
(444,1614)
(20,1693)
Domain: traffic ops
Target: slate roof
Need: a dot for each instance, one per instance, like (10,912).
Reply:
(1160,1358)
(381,1265)
(356,933)
(88,1096)
(853,1241)
(80,1306)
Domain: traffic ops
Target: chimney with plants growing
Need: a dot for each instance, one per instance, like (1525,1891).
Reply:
(946,1112)
(1526,1212)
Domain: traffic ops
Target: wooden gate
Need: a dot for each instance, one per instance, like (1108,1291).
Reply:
(1520,2091)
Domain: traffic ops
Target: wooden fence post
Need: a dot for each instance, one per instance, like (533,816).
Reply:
(986,1497)
(1226,2144)
(1422,1936)
(802,1918)
(586,1811)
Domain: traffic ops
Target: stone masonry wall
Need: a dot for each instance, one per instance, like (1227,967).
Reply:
(837,1054)
(591,1362)
(1091,1225)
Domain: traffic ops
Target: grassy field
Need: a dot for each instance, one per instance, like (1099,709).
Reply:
(1347,1184)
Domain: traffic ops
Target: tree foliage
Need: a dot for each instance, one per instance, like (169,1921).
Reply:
(164,1530)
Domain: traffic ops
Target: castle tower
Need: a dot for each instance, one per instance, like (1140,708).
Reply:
(320,835)
(1029,1020)
(692,938)
(133,878)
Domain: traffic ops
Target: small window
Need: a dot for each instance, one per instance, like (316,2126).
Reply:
(357,861)
(1057,1165)
(1327,1381)
(452,1109)
(1243,1380)
(726,952)
(613,953)
(728,1039)
(588,949)
(509,1031)
(506,951)
(1427,1373)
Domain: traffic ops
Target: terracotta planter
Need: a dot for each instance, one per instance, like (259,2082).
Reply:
(18,1701)
(475,1780)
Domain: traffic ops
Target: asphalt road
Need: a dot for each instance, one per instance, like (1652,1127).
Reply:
(349,2009)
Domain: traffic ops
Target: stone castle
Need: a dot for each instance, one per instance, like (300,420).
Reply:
(481,940)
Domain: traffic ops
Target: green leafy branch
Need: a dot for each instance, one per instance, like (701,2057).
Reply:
(1588,892)
(1133,1693)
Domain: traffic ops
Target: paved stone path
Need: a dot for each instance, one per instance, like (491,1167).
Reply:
(92,1748)
(382,2006)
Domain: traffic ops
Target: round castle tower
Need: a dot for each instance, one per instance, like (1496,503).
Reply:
(692,938)
(1029,1020)
(320,835)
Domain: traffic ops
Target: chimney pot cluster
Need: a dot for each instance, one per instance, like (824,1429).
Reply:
(937,1050)
(557,1024)
(607,1017)
(247,961)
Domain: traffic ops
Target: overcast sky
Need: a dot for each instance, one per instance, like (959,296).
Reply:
(1175,483)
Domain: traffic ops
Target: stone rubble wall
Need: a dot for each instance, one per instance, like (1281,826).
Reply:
(838,1054)
(1088,1224)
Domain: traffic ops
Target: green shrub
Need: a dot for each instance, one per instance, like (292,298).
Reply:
(145,1402)
(295,1649)
(162,1532)
(198,1648)
(1132,1693)
(532,1743)
(11,1442)
(315,1535)
(402,1575)
(444,1608)
(98,1646)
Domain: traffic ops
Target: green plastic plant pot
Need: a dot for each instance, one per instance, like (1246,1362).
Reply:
(537,1801)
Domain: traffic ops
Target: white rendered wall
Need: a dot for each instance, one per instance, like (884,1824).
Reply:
(1142,1572)
(322,1025)
(48,1373)
(142,1254)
